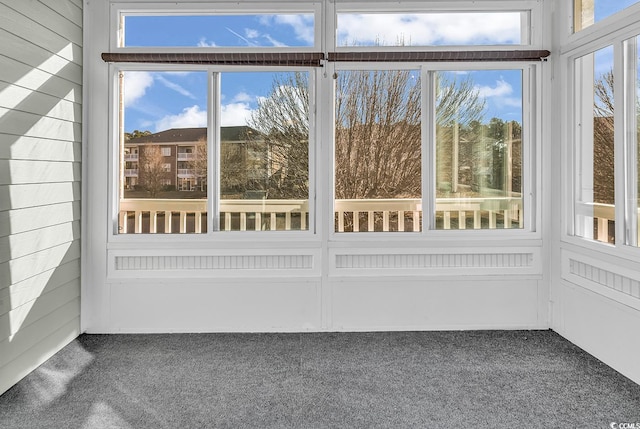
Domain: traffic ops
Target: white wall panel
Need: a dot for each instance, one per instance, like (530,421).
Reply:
(435,304)
(40,155)
(248,305)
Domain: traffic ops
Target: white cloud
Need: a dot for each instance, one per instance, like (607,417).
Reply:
(242,97)
(302,25)
(174,86)
(190,117)
(135,86)
(429,29)
(203,43)
(502,89)
(235,114)
(251,33)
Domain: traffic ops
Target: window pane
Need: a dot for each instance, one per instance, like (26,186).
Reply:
(595,210)
(588,12)
(163,145)
(479,149)
(238,31)
(430,29)
(264,151)
(378,151)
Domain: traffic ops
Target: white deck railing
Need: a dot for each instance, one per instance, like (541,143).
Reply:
(186,215)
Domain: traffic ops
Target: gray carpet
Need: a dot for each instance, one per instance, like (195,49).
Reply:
(486,379)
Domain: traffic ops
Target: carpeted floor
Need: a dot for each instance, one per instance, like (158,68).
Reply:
(477,379)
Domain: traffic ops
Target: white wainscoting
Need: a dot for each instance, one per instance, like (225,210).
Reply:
(599,309)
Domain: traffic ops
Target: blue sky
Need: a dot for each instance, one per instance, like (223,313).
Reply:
(157,101)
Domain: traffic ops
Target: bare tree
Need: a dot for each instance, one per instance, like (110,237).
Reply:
(377,135)
(603,140)
(282,122)
(199,164)
(152,166)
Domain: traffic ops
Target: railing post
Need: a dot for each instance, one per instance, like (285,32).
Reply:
(400,220)
(385,221)
(603,229)
(258,225)
(447,220)
(416,221)
(462,219)
(477,219)
(303,221)
(227,221)
(167,221)
(340,221)
(287,221)
(183,222)
(272,222)
(356,221)
(370,221)
(138,222)
(153,222)
(243,221)
(492,219)
(198,226)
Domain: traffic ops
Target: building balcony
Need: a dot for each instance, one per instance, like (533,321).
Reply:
(132,157)
(184,156)
(186,173)
(131,172)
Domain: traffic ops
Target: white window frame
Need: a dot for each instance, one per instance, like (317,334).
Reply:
(531,94)
(626,219)
(213,141)
(530,35)
(123,8)
(321,222)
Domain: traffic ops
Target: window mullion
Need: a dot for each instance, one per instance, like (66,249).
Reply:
(629,151)
(213,145)
(428,149)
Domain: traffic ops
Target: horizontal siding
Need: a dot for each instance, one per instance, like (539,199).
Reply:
(40,174)
(19,123)
(29,101)
(33,148)
(27,243)
(20,269)
(29,219)
(15,73)
(19,172)
(58,16)
(39,194)
(37,330)
(52,341)
(27,290)
(37,33)
(39,58)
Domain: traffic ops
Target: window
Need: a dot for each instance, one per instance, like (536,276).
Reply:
(430,29)
(588,12)
(215,139)
(215,31)
(159,110)
(595,161)
(479,149)
(378,151)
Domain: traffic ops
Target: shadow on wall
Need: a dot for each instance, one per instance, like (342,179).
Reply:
(40,144)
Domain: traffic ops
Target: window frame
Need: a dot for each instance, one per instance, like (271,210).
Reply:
(531,12)
(531,94)
(626,171)
(213,168)
(321,189)
(122,8)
